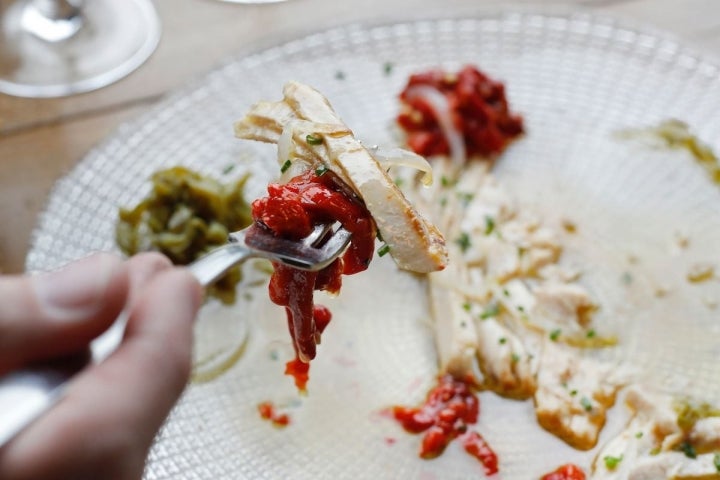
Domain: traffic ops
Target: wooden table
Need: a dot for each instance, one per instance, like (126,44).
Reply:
(40,140)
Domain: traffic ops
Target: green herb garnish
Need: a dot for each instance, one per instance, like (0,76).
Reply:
(313,139)
(555,334)
(612,462)
(382,251)
(491,311)
(388,68)
(502,341)
(688,450)
(466,306)
(590,333)
(465,198)
(321,170)
(228,169)
(716,461)
(489,224)
(340,75)
(586,404)
(285,166)
(446,182)
(463,241)
(515,358)
(639,435)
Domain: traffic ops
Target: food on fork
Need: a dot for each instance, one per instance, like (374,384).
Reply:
(327,176)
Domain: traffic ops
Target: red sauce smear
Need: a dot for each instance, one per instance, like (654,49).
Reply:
(478,109)
(449,409)
(565,472)
(268,412)
(290,211)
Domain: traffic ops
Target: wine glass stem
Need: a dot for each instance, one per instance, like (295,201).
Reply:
(57,9)
(52,20)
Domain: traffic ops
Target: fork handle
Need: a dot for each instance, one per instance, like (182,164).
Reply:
(212,266)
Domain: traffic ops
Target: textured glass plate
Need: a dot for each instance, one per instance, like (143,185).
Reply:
(576,78)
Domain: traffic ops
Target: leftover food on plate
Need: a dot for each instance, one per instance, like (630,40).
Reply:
(667,437)
(509,317)
(185,215)
(459,114)
(676,134)
(568,471)
(327,175)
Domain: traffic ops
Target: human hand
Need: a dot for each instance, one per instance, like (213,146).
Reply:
(105,424)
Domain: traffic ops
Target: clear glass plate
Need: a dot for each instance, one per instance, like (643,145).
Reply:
(577,78)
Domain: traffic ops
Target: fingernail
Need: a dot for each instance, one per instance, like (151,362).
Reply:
(76,291)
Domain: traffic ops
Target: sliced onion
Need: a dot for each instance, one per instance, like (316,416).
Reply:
(441,108)
(285,144)
(399,157)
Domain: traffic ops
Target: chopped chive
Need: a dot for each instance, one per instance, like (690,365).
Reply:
(489,224)
(463,241)
(573,392)
(590,333)
(716,461)
(445,181)
(378,235)
(502,340)
(627,278)
(520,308)
(505,292)
(515,358)
(466,306)
(465,198)
(388,68)
(313,139)
(340,75)
(399,182)
(491,311)
(443,201)
(321,170)
(612,462)
(383,250)
(521,251)
(285,166)
(228,169)
(586,404)
(688,450)
(555,334)
(639,435)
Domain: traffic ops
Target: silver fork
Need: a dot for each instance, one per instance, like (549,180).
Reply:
(314,252)
(27,393)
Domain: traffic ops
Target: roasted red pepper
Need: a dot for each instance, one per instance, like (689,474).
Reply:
(565,472)
(478,109)
(290,211)
(448,411)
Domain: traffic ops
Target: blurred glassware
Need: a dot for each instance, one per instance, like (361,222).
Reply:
(252,2)
(53,48)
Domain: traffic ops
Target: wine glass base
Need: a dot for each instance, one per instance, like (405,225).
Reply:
(114,39)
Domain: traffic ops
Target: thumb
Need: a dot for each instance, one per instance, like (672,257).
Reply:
(59,313)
